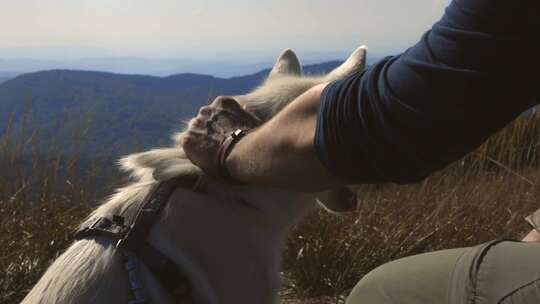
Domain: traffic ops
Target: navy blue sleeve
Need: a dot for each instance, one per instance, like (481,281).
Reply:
(407,116)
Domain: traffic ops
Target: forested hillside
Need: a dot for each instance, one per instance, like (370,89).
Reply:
(106,114)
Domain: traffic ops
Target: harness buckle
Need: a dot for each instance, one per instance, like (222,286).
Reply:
(103,226)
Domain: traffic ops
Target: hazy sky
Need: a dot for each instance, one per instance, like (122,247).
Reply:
(215,28)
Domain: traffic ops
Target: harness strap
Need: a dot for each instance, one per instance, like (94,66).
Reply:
(133,269)
(148,214)
(132,241)
(165,270)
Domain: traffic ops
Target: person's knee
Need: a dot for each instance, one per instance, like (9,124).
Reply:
(418,279)
(372,288)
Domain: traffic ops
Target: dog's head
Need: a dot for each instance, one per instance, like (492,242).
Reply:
(285,82)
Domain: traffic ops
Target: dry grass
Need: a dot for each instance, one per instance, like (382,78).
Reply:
(43,197)
(482,197)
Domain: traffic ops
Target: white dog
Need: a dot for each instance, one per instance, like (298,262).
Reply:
(226,241)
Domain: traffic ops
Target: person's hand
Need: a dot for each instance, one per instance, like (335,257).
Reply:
(206,132)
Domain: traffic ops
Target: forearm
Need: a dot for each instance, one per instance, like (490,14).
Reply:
(281,153)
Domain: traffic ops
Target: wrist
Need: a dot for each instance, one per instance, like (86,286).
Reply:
(225,151)
(233,162)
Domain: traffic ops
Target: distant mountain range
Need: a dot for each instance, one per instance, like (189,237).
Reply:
(106,114)
(28,60)
(4,76)
(133,65)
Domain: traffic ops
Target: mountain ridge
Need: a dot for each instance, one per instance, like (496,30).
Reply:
(108,114)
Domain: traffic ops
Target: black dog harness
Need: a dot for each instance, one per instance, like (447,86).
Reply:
(131,240)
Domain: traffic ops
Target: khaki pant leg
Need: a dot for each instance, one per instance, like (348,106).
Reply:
(507,273)
(497,272)
(419,279)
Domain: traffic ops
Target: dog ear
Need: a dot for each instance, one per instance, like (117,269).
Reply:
(286,64)
(338,200)
(356,62)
